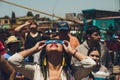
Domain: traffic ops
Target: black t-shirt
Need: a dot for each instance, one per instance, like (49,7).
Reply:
(31,41)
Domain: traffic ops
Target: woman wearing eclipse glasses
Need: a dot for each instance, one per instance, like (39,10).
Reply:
(55,61)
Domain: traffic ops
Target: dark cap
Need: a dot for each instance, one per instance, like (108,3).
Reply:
(63,26)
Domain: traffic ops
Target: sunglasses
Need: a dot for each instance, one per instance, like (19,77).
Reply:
(54,41)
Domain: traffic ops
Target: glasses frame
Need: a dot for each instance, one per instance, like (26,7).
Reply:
(54,41)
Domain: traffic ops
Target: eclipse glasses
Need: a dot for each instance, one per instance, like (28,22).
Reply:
(54,41)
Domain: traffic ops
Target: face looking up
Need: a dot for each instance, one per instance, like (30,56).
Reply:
(54,47)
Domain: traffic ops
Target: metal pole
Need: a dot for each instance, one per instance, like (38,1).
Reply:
(31,9)
(119,5)
(53,15)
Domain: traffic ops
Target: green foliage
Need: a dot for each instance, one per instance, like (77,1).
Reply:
(29,13)
(6,17)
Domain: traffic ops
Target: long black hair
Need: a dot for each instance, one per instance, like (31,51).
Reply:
(66,68)
(94,49)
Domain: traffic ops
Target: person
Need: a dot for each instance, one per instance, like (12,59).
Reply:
(64,34)
(13,46)
(110,32)
(31,37)
(2,48)
(92,36)
(7,72)
(54,61)
(116,50)
(100,71)
(4,33)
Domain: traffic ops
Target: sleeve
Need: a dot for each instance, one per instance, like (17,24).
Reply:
(103,72)
(5,56)
(25,68)
(84,68)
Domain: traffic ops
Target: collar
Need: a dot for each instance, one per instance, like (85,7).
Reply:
(86,45)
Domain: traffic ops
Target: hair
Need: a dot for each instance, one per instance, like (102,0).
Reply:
(94,49)
(9,45)
(33,22)
(90,30)
(66,68)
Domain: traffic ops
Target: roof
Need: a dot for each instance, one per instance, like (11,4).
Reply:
(93,13)
(112,17)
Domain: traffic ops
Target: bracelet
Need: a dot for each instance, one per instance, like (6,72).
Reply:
(75,52)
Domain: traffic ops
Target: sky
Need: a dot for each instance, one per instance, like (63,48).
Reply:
(58,7)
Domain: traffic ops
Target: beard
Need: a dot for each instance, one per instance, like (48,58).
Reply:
(33,29)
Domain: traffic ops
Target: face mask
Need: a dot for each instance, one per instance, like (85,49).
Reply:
(54,41)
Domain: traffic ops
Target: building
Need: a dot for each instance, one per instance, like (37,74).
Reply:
(4,23)
(94,14)
(103,19)
(70,16)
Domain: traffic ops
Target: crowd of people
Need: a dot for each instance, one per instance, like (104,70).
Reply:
(58,57)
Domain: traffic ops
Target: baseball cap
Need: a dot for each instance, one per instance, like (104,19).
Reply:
(63,26)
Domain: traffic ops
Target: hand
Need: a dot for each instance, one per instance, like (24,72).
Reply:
(28,22)
(68,47)
(39,45)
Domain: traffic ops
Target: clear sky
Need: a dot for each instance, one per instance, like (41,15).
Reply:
(58,7)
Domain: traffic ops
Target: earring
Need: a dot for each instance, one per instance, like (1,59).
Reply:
(63,61)
(45,62)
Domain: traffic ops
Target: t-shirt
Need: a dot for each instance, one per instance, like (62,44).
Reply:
(31,41)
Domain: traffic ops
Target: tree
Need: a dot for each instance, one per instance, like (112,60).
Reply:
(13,14)
(13,18)
(29,13)
(6,17)
(36,17)
(45,19)
(48,19)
